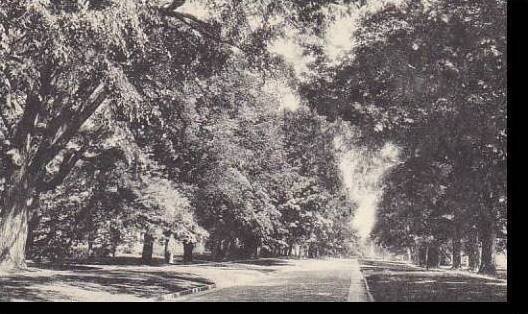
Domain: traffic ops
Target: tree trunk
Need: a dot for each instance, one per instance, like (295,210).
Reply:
(457,248)
(32,225)
(473,250)
(14,222)
(219,250)
(168,253)
(228,249)
(422,255)
(433,256)
(488,239)
(457,254)
(187,252)
(148,247)
(90,248)
(427,256)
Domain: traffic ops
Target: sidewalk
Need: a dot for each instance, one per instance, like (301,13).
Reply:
(358,286)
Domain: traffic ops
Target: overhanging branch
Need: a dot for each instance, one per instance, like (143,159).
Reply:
(70,159)
(49,149)
(199,26)
(5,121)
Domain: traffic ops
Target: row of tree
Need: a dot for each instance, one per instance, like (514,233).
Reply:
(166,123)
(127,115)
(431,78)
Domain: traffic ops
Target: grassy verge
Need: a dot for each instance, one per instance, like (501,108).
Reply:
(400,282)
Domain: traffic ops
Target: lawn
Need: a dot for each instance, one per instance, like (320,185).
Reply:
(95,283)
(401,282)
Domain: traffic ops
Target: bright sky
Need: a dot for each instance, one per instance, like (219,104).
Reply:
(196,8)
(288,47)
(289,99)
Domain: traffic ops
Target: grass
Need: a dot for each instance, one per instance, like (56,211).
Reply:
(401,282)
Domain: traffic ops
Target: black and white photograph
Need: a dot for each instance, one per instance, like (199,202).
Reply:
(254,151)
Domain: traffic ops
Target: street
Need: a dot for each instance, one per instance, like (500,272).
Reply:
(294,281)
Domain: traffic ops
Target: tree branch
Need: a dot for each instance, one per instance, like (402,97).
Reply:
(70,159)
(50,148)
(199,26)
(6,124)
(25,125)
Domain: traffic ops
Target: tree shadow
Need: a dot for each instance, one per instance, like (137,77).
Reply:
(391,266)
(137,283)
(266,262)
(116,261)
(405,283)
(20,288)
(405,288)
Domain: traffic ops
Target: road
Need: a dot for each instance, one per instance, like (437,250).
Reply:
(292,281)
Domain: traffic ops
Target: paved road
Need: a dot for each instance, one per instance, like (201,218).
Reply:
(295,281)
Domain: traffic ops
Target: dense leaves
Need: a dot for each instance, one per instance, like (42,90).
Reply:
(229,120)
(431,78)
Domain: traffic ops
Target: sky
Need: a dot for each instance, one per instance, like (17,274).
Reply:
(288,97)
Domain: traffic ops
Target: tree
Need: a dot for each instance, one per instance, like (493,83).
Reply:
(425,76)
(60,64)
(64,62)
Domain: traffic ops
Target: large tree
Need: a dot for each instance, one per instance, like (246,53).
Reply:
(62,62)
(431,78)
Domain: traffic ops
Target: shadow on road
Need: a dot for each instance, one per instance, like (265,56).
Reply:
(266,262)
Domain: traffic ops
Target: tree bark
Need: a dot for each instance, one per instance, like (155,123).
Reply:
(422,255)
(427,256)
(488,239)
(13,235)
(168,253)
(32,225)
(148,247)
(187,252)
(219,250)
(433,256)
(14,221)
(457,249)
(473,250)
(457,254)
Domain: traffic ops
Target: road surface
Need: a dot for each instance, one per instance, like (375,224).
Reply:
(292,281)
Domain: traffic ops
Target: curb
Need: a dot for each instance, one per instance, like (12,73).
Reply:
(367,288)
(175,295)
